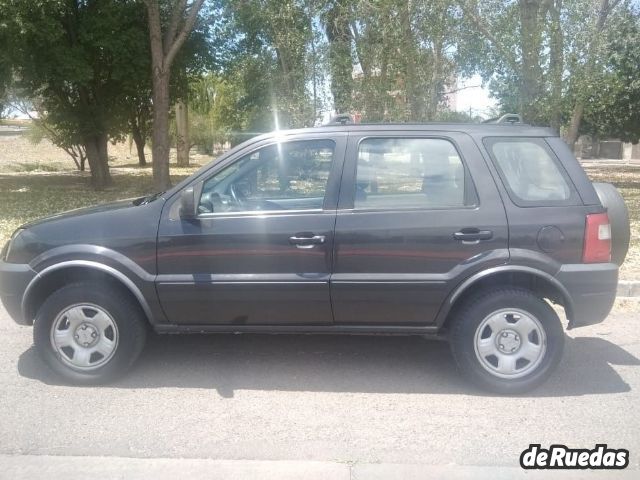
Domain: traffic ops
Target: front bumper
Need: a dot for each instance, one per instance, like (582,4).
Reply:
(591,289)
(14,279)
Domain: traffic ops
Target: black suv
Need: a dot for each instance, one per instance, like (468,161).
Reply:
(466,232)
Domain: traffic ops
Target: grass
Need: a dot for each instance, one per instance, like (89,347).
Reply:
(30,190)
(627,180)
(37,180)
(25,197)
(14,122)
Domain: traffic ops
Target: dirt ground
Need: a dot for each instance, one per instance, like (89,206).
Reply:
(41,179)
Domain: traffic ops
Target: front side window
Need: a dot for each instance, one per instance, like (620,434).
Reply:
(529,171)
(410,173)
(283,176)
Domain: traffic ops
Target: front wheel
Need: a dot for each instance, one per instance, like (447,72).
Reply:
(89,333)
(506,340)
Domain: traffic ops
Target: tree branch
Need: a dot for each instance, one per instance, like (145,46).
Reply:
(176,16)
(461,88)
(184,33)
(155,35)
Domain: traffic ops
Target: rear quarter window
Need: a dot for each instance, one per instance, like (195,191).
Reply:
(530,172)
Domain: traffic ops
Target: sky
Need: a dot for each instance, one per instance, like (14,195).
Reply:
(475,97)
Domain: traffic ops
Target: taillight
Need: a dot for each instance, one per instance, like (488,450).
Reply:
(597,239)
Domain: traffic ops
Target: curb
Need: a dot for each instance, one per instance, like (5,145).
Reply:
(29,467)
(628,288)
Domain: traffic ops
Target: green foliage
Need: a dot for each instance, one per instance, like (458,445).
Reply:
(545,58)
(79,59)
(614,109)
(79,63)
(406,56)
(273,39)
(447,115)
(254,65)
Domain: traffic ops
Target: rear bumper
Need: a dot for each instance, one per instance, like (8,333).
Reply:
(14,278)
(591,289)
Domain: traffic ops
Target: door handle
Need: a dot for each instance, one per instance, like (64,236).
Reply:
(306,241)
(473,235)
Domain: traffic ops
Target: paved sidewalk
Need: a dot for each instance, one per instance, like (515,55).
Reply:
(18,467)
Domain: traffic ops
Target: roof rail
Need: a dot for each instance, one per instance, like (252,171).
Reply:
(340,119)
(511,118)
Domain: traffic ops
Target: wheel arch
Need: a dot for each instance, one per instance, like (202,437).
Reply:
(55,276)
(537,281)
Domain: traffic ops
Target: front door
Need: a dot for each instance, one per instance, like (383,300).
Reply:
(260,250)
(411,225)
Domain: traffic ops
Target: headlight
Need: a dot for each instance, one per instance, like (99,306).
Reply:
(6,251)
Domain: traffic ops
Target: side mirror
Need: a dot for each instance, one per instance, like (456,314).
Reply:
(188,207)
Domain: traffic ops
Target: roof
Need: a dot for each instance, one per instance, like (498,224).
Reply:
(475,129)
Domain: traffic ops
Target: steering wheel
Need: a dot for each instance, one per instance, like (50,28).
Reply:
(237,197)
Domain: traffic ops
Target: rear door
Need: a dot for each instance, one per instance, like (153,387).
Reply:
(418,212)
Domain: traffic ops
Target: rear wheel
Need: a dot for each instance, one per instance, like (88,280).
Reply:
(506,340)
(88,333)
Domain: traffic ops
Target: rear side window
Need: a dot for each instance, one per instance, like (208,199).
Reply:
(397,173)
(531,172)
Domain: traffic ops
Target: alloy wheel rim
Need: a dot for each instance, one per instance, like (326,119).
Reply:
(84,336)
(510,343)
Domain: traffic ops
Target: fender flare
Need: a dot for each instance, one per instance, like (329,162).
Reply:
(117,275)
(472,280)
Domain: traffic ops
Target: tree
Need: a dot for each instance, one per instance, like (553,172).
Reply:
(5,69)
(40,128)
(337,19)
(182,133)
(5,57)
(558,69)
(406,54)
(74,60)
(138,117)
(516,73)
(276,34)
(588,67)
(613,109)
(164,49)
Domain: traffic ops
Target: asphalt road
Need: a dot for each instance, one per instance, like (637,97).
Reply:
(322,398)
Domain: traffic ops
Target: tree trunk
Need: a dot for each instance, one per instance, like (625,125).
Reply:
(574,126)
(414,93)
(96,148)
(83,160)
(182,135)
(556,65)
(139,140)
(163,52)
(340,63)
(578,108)
(314,61)
(437,81)
(160,136)
(530,39)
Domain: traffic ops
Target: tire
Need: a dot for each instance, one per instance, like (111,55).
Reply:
(618,218)
(89,333)
(487,338)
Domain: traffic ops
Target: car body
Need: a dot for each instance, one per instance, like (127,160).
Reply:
(335,229)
